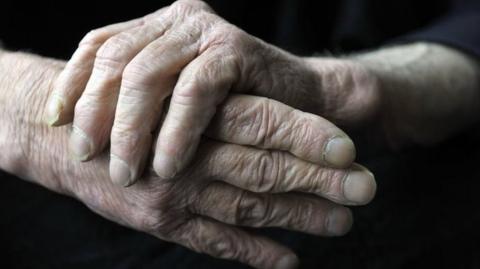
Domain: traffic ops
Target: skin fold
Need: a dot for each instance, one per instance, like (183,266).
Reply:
(114,89)
(115,85)
(226,186)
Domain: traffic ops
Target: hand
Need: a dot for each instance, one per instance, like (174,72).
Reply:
(226,185)
(230,185)
(132,67)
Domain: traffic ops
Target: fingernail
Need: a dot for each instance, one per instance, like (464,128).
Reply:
(339,221)
(54,108)
(339,152)
(120,172)
(289,261)
(165,166)
(359,187)
(79,144)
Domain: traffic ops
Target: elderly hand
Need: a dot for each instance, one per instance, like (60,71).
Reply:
(227,185)
(116,85)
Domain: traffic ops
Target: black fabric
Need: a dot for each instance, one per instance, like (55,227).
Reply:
(53,28)
(425,214)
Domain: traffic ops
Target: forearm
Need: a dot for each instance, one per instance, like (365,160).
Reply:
(36,152)
(29,148)
(428,92)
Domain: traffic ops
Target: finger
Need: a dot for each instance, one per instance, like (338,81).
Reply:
(226,242)
(202,85)
(95,110)
(279,172)
(147,80)
(269,124)
(298,212)
(73,79)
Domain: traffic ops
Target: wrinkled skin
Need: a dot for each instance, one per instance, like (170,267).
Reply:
(222,187)
(121,74)
(195,210)
(234,185)
(227,185)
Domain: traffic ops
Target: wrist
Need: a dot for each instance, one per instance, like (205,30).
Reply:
(30,149)
(348,91)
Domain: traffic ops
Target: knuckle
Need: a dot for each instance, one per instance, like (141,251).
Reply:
(81,106)
(94,37)
(117,46)
(254,120)
(236,119)
(217,246)
(215,76)
(234,36)
(268,172)
(222,69)
(185,7)
(126,138)
(328,182)
(301,215)
(265,122)
(305,139)
(189,92)
(112,55)
(138,73)
(87,49)
(87,105)
(203,6)
(252,210)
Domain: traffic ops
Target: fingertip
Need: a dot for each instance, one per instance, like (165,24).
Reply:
(54,108)
(80,145)
(359,186)
(339,152)
(339,221)
(165,166)
(120,172)
(289,261)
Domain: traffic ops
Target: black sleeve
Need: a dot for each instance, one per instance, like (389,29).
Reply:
(459,28)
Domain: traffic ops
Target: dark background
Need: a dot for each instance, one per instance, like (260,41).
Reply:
(426,211)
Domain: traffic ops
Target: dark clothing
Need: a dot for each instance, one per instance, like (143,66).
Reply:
(54,28)
(425,214)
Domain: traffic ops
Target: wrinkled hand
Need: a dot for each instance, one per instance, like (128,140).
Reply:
(187,50)
(227,184)
(232,185)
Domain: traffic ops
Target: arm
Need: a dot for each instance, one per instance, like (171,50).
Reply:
(429,92)
(430,87)
(28,148)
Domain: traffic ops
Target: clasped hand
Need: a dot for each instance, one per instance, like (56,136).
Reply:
(221,158)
